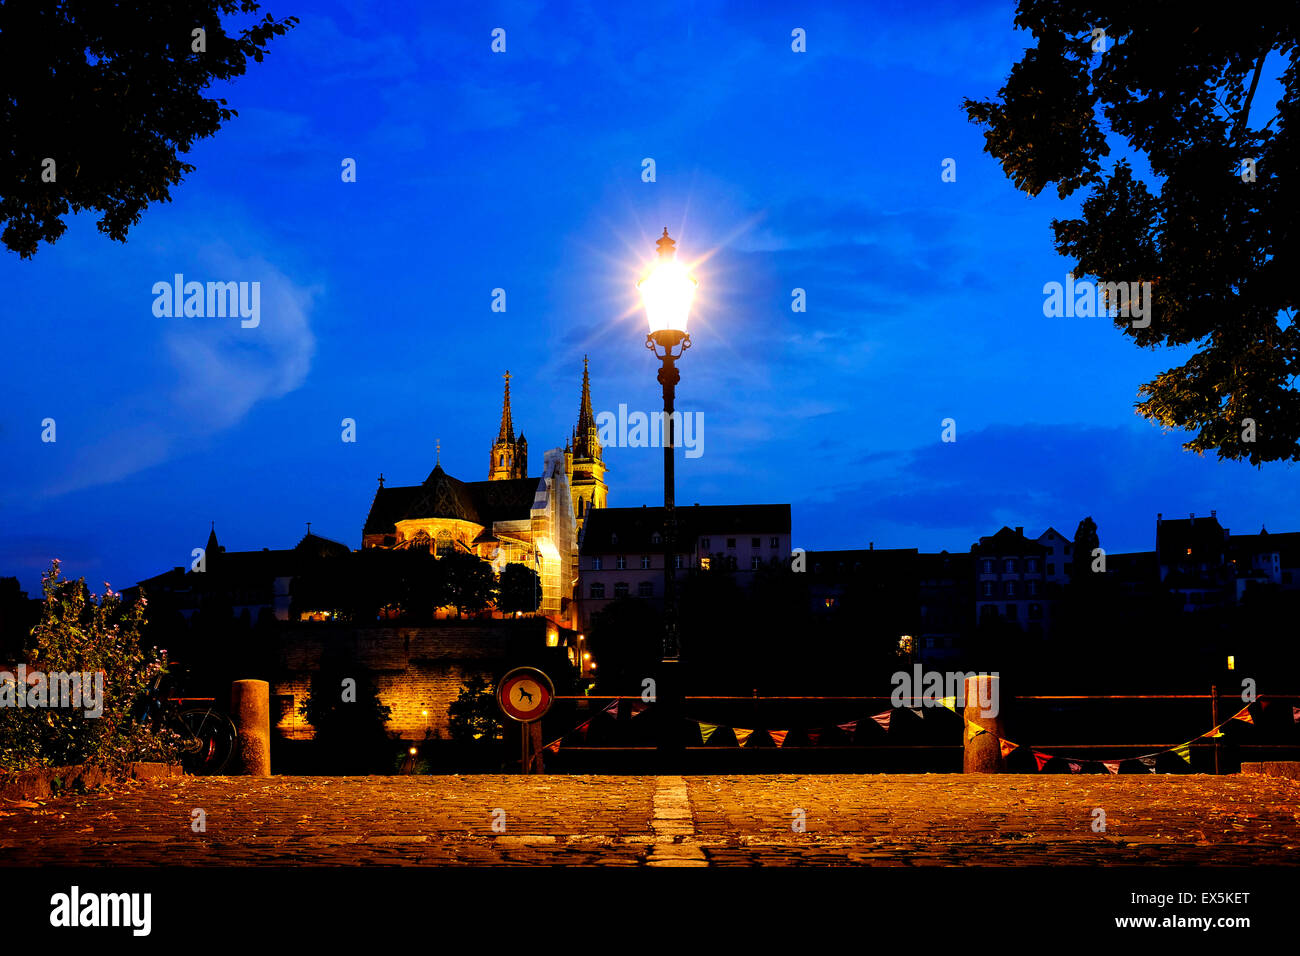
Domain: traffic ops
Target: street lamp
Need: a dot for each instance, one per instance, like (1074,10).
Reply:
(667,290)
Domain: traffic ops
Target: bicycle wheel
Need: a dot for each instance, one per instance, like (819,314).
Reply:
(209,740)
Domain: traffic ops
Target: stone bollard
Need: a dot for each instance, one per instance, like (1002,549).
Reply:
(982,752)
(250,708)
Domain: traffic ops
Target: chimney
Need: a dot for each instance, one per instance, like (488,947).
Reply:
(1020,530)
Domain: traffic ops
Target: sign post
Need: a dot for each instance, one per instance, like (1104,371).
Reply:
(525,695)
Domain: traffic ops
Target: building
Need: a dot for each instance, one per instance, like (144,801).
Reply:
(622,550)
(1058,562)
(509,518)
(1192,557)
(1010,578)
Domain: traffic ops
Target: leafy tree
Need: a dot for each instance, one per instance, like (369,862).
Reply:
(1219,251)
(112,93)
(471,585)
(520,589)
(80,633)
(475,715)
(349,721)
(1085,542)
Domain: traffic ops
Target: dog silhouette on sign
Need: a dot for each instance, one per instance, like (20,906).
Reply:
(523,692)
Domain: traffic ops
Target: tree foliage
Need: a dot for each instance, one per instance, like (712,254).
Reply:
(475,715)
(519,589)
(81,633)
(113,93)
(1218,251)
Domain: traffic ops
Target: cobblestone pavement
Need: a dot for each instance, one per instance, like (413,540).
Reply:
(674,821)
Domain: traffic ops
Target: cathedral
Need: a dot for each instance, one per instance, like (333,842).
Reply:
(510,517)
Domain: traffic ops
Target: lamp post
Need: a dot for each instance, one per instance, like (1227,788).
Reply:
(667,291)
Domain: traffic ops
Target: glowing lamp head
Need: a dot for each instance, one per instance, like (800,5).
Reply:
(667,290)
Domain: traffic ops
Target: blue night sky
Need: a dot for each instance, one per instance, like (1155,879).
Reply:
(522,171)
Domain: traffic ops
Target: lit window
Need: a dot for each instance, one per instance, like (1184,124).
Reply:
(645,562)
(596,563)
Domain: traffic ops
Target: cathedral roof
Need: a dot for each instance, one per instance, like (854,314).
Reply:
(442,496)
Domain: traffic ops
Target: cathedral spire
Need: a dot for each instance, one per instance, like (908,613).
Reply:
(586,418)
(507,432)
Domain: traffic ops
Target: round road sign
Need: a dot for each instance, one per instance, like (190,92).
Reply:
(525,694)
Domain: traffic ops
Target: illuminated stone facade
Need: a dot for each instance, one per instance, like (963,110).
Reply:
(509,518)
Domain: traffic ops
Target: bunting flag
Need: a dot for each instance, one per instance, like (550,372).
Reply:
(949,702)
(1111,765)
(706,731)
(554,746)
(848,728)
(1148,762)
(613,708)
(1243,715)
(778,737)
(742,735)
(1042,759)
(1075,767)
(1295,715)
(1184,751)
(814,736)
(582,728)
(918,711)
(1007,747)
(882,719)
(639,707)
(1216,732)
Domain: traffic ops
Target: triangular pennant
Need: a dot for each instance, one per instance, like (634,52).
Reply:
(1074,767)
(918,711)
(1148,762)
(949,702)
(706,731)
(1111,765)
(1007,747)
(742,735)
(553,746)
(1243,715)
(814,736)
(848,728)
(883,719)
(612,708)
(1184,751)
(1042,759)
(582,728)
(1216,732)
(1295,715)
(778,737)
(639,707)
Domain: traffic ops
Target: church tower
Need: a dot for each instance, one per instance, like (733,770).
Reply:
(583,461)
(509,454)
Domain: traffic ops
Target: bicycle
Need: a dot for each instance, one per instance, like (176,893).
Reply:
(207,736)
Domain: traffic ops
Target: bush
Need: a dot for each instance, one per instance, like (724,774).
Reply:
(80,633)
